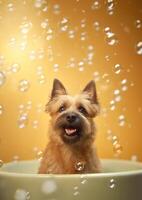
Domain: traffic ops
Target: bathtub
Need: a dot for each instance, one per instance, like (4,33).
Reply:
(120,180)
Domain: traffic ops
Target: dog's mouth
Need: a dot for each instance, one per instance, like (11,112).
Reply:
(71,134)
(71,131)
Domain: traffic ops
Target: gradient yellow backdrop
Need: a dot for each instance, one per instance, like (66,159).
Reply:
(74,41)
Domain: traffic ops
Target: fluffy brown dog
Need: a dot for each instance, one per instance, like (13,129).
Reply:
(72,132)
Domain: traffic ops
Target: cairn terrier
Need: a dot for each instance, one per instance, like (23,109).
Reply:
(71,147)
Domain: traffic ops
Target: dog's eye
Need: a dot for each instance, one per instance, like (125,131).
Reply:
(62,108)
(82,110)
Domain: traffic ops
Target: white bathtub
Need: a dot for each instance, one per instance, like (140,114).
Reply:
(120,180)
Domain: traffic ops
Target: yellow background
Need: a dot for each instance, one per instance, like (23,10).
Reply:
(58,48)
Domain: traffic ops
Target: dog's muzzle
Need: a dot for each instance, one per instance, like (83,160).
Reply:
(71,127)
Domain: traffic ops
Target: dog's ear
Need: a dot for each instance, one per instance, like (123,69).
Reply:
(90,90)
(58,89)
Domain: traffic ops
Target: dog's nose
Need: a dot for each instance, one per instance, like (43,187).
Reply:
(71,117)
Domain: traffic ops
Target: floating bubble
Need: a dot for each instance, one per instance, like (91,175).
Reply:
(1,163)
(2,60)
(1,109)
(49,33)
(139,48)
(21,194)
(56,67)
(25,27)
(40,53)
(83,36)
(121,119)
(38,3)
(39,154)
(117,68)
(32,55)
(110,37)
(112,183)
(23,120)
(12,42)
(118,98)
(96,26)
(24,85)
(124,81)
(79,166)
(138,23)
(64,24)
(83,178)
(110,7)
(10,7)
(35,124)
(116,92)
(81,65)
(83,23)
(134,158)
(96,5)
(96,76)
(124,88)
(16,158)
(44,24)
(2,78)
(71,34)
(56,9)
(49,187)
(15,67)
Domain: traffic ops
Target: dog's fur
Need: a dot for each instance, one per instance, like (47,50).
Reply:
(65,149)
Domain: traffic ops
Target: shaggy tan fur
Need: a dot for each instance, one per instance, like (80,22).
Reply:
(62,157)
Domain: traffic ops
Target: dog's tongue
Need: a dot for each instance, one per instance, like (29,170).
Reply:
(70,131)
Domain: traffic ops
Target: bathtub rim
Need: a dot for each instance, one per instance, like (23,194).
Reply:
(87,175)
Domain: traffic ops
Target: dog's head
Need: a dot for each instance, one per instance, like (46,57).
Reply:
(72,116)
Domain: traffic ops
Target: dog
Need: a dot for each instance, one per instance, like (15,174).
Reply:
(71,148)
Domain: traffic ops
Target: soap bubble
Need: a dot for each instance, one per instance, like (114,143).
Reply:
(81,65)
(25,27)
(1,109)
(32,55)
(96,26)
(79,166)
(134,158)
(96,5)
(138,23)
(121,120)
(21,194)
(1,163)
(49,34)
(110,37)
(10,7)
(24,85)
(76,191)
(56,67)
(83,36)
(15,67)
(64,24)
(117,68)
(139,48)
(83,179)
(2,78)
(49,187)
(112,183)
(44,24)
(71,34)
(23,120)
(38,3)
(110,7)
(15,158)
(35,124)
(96,76)
(56,9)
